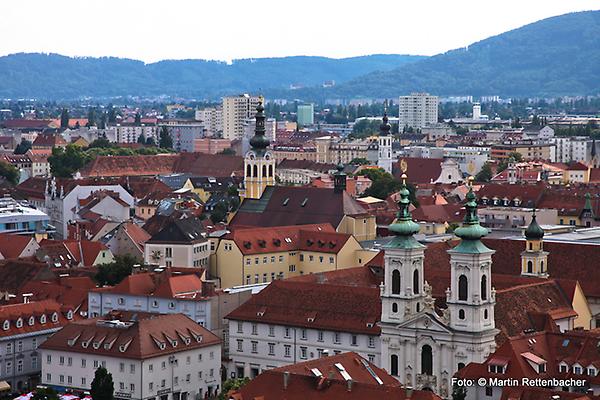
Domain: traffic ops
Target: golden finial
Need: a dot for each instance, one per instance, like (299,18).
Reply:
(403,166)
(470,180)
(403,177)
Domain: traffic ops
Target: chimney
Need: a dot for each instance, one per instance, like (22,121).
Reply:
(331,374)
(409,392)
(349,384)
(286,379)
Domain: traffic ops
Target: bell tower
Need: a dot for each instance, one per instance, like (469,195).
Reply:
(259,163)
(534,260)
(471,298)
(384,156)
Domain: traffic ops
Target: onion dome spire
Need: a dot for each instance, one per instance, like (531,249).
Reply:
(534,231)
(470,229)
(385,127)
(404,227)
(259,141)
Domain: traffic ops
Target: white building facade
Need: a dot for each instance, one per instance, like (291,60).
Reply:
(417,110)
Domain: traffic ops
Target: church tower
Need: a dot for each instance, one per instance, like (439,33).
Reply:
(402,293)
(259,163)
(339,179)
(470,297)
(534,260)
(384,157)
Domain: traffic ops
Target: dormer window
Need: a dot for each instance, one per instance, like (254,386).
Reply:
(20,323)
(6,325)
(70,314)
(43,319)
(591,371)
(577,369)
(31,321)
(54,317)
(564,368)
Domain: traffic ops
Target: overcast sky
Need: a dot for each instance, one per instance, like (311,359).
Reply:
(152,30)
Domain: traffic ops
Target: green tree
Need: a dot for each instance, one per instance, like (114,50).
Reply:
(112,115)
(502,165)
(458,393)
(165,140)
(64,162)
(23,147)
(64,118)
(150,141)
(219,213)
(485,174)
(141,139)
(102,386)
(382,183)
(9,172)
(115,272)
(359,161)
(138,119)
(45,394)
(228,152)
(231,384)
(101,142)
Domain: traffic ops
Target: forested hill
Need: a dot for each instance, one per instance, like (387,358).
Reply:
(554,56)
(53,76)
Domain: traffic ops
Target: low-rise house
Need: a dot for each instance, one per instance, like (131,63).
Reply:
(25,327)
(260,255)
(180,243)
(16,217)
(206,186)
(127,238)
(17,246)
(149,356)
(73,253)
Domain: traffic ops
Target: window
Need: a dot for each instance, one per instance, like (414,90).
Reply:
(287,350)
(83,382)
(462,288)
(416,281)
(461,314)
(240,345)
(168,252)
(188,360)
(394,307)
(489,391)
(61,360)
(150,367)
(427,360)
(563,368)
(240,327)
(484,287)
(529,266)
(394,365)
(371,357)
(301,257)
(211,355)
(292,268)
(61,379)
(122,367)
(396,282)
(122,385)
(319,336)
(311,258)
(303,334)
(331,260)
(69,379)
(151,386)
(132,368)
(188,377)
(354,340)
(254,346)
(70,361)
(20,366)
(121,301)
(271,349)
(254,329)
(271,330)
(336,338)
(280,259)
(287,332)
(303,352)
(321,259)
(48,359)
(48,377)
(96,364)
(34,362)
(132,386)
(371,341)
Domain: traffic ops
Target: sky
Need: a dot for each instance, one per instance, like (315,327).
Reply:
(152,30)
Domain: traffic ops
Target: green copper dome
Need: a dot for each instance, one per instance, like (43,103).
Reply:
(259,142)
(404,227)
(534,231)
(470,229)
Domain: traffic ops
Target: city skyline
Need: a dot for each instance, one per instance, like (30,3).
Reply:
(188,30)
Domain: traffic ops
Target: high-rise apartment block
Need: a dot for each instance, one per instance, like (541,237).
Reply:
(418,110)
(305,114)
(212,119)
(236,110)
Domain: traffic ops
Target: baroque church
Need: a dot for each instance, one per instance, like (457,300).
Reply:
(421,347)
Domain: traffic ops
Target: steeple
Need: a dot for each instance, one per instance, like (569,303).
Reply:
(384,141)
(339,179)
(470,297)
(259,142)
(385,127)
(404,227)
(534,260)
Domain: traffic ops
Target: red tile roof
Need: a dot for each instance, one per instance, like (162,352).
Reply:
(23,123)
(24,311)
(124,336)
(357,276)
(12,246)
(439,213)
(312,305)
(49,140)
(70,252)
(303,384)
(420,170)
(318,237)
(15,273)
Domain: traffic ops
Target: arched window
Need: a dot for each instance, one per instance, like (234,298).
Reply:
(264,171)
(426,360)
(529,266)
(418,307)
(416,281)
(485,314)
(394,307)
(484,287)
(461,314)
(463,288)
(396,282)
(394,365)
(541,266)
(270,171)
(255,171)
(249,170)
(530,246)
